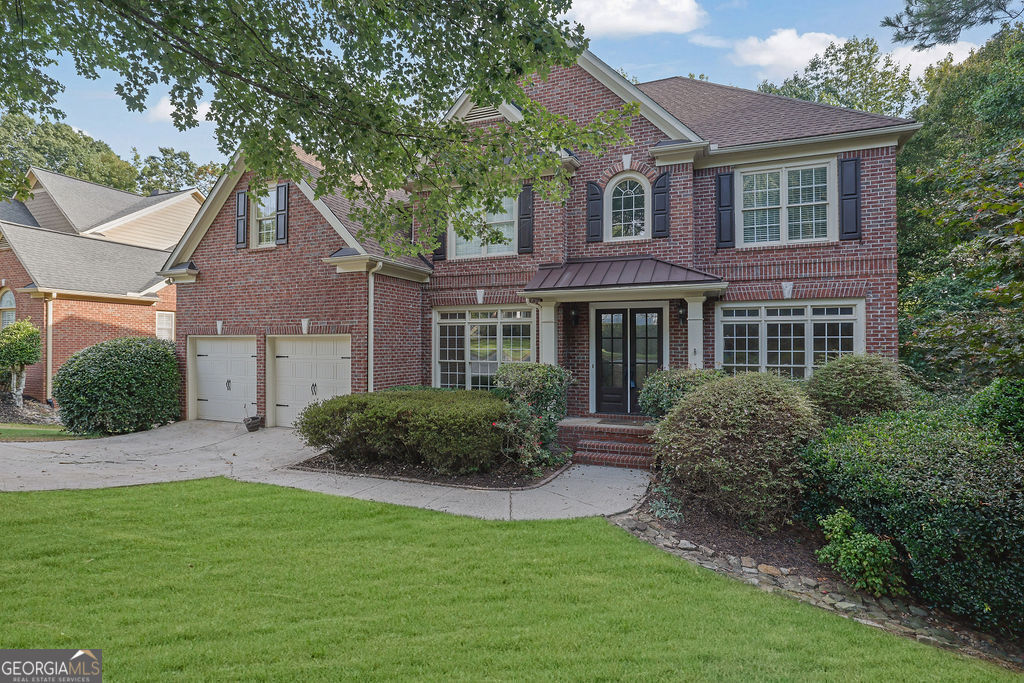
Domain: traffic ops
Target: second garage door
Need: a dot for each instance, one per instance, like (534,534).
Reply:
(308,369)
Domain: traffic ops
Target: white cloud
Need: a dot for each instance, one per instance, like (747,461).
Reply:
(705,40)
(919,60)
(781,53)
(624,18)
(80,131)
(163,110)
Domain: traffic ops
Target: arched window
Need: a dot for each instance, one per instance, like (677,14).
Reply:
(627,210)
(6,309)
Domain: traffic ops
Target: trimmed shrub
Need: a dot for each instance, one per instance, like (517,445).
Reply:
(864,560)
(451,432)
(119,386)
(855,385)
(664,388)
(949,494)
(1001,406)
(542,388)
(733,446)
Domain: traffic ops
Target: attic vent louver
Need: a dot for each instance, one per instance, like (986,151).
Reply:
(478,113)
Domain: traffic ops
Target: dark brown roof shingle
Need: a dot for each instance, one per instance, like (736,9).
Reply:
(730,116)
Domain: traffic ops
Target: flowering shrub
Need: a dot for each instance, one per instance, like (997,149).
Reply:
(542,388)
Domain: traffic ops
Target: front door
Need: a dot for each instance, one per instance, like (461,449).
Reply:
(629,347)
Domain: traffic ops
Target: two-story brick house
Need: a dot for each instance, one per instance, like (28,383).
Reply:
(736,229)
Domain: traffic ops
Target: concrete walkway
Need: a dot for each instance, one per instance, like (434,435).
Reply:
(194,450)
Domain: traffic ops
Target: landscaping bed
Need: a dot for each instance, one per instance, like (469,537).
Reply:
(32,412)
(506,476)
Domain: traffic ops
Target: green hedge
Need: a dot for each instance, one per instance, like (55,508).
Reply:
(734,446)
(856,385)
(1001,406)
(664,388)
(119,386)
(452,432)
(949,494)
(542,388)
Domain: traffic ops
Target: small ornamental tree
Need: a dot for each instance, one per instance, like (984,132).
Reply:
(20,347)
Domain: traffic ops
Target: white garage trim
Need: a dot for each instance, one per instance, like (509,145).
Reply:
(274,342)
(192,380)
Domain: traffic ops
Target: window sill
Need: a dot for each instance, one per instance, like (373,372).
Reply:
(262,247)
(484,257)
(785,245)
(642,238)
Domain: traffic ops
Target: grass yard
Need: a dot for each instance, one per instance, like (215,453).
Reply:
(31,432)
(216,579)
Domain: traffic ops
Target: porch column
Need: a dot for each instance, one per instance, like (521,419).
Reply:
(548,334)
(695,330)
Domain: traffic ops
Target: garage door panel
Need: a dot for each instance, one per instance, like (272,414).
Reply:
(225,372)
(308,370)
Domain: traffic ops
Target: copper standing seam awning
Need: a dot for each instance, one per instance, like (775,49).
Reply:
(623,276)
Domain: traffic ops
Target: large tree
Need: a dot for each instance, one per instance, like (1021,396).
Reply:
(173,170)
(360,84)
(57,147)
(930,22)
(852,74)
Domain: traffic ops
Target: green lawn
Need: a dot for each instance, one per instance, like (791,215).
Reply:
(216,579)
(28,432)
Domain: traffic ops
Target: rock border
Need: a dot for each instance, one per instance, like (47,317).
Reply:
(888,614)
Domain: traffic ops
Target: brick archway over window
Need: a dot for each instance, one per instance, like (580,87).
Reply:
(618,167)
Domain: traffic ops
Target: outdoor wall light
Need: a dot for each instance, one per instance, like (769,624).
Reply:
(682,312)
(574,315)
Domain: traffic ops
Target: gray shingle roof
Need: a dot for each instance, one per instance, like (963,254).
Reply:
(58,260)
(14,211)
(731,116)
(88,205)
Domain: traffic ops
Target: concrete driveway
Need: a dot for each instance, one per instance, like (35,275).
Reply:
(198,449)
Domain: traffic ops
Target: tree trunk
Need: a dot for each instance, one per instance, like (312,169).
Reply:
(18,386)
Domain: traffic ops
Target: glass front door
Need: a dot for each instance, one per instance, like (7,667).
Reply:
(629,347)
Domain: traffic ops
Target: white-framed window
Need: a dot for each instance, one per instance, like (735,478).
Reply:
(788,204)
(264,219)
(7,312)
(470,344)
(627,207)
(785,337)
(503,221)
(165,325)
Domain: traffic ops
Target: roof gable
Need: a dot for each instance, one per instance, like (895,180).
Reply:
(85,204)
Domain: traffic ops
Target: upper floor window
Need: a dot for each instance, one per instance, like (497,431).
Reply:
(503,221)
(6,309)
(627,204)
(788,204)
(265,219)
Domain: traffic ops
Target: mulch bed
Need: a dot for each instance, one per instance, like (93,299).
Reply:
(792,546)
(504,477)
(34,412)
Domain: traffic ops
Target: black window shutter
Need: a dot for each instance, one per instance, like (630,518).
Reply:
(441,253)
(595,213)
(281,233)
(849,199)
(659,200)
(526,220)
(725,214)
(241,220)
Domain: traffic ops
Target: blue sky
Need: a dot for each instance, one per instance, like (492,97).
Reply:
(738,42)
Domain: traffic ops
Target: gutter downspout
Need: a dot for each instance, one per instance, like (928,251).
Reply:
(48,322)
(369,325)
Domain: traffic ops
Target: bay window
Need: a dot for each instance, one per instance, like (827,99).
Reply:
(471,344)
(787,339)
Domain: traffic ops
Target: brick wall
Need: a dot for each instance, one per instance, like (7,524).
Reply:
(398,348)
(270,290)
(15,276)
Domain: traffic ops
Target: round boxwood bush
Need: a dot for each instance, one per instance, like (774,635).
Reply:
(733,447)
(119,386)
(1001,405)
(950,496)
(856,385)
(664,388)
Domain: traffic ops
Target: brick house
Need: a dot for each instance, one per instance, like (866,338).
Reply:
(737,229)
(80,261)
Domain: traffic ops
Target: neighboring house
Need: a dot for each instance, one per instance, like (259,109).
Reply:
(80,261)
(738,229)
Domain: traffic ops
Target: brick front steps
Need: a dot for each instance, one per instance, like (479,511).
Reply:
(612,442)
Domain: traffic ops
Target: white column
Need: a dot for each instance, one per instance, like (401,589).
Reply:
(548,333)
(695,330)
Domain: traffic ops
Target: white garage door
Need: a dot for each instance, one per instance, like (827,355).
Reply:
(309,369)
(225,372)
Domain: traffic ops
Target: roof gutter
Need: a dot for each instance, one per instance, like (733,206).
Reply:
(53,293)
(624,293)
